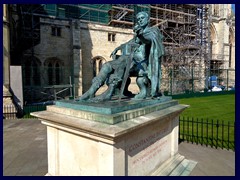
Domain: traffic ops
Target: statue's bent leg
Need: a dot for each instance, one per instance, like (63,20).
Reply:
(106,95)
(97,82)
(114,82)
(142,82)
(126,92)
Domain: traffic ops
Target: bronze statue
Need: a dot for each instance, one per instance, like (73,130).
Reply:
(143,60)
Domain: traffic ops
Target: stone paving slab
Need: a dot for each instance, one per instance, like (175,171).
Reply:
(25,152)
(210,161)
(24,148)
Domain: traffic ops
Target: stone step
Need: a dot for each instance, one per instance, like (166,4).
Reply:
(175,166)
(168,166)
(184,168)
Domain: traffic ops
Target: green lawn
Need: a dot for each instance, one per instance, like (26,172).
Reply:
(209,120)
(220,107)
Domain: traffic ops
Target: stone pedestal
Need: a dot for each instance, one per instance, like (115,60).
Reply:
(135,140)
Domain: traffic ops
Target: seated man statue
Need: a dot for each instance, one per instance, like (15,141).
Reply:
(146,51)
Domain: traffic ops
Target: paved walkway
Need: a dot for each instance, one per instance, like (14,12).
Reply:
(25,152)
(210,161)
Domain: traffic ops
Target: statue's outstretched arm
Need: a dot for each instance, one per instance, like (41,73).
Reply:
(115,50)
(122,46)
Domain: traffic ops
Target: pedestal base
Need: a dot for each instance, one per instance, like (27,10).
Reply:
(135,147)
(175,166)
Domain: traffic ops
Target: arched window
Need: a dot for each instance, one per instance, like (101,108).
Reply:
(50,74)
(97,63)
(36,74)
(31,71)
(214,41)
(57,71)
(100,64)
(54,68)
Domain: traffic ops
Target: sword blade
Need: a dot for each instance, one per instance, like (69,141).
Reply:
(125,77)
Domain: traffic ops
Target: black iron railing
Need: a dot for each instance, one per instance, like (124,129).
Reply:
(9,112)
(214,133)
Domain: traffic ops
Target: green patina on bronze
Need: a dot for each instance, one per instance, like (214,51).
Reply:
(141,57)
(110,107)
(112,112)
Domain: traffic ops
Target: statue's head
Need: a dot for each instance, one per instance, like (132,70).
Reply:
(142,19)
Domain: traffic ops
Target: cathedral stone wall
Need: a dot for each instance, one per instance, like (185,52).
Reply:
(55,48)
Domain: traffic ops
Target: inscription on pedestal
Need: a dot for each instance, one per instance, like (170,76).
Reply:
(144,143)
(151,153)
(151,148)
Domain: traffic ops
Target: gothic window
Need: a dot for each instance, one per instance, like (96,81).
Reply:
(100,64)
(31,71)
(36,73)
(97,63)
(57,71)
(50,74)
(211,47)
(54,71)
